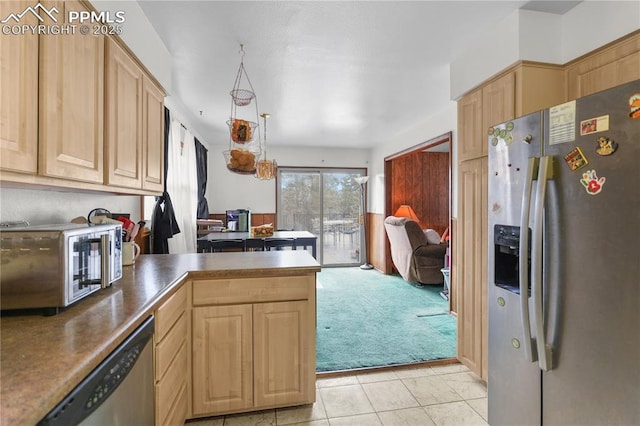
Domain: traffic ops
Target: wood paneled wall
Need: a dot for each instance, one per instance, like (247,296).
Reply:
(421,180)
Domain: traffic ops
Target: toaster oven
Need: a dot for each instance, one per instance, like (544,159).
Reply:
(53,266)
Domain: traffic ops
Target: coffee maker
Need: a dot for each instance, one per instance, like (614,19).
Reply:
(238,220)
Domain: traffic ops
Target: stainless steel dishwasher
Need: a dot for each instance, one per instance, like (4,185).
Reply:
(119,392)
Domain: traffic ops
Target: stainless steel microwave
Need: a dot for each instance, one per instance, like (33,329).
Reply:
(53,266)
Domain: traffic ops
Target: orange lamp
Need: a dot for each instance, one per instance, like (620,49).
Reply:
(406,211)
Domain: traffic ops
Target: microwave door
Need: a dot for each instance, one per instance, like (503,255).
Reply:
(84,277)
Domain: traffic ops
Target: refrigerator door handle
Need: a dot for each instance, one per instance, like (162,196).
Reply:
(544,350)
(523,266)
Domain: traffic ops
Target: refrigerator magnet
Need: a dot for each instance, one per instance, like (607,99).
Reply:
(576,159)
(594,125)
(634,106)
(606,146)
(591,183)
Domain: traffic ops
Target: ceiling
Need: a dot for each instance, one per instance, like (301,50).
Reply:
(350,74)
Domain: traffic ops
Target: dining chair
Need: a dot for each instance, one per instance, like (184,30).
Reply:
(279,243)
(251,244)
(226,245)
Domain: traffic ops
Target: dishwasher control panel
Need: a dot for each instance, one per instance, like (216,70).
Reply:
(100,387)
(114,377)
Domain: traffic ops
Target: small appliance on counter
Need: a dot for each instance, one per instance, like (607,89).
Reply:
(238,220)
(53,266)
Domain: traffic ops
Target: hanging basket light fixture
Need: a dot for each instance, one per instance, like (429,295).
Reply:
(244,147)
(265,169)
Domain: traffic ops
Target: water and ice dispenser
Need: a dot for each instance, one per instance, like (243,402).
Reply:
(506,240)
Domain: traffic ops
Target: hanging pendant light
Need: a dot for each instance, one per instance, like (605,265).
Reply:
(244,147)
(265,169)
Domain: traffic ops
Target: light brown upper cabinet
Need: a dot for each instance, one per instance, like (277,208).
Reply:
(124,119)
(78,111)
(612,65)
(470,143)
(18,96)
(134,111)
(71,133)
(498,105)
(152,136)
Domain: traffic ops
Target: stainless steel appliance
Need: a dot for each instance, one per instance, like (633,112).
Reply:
(53,266)
(238,220)
(119,392)
(564,256)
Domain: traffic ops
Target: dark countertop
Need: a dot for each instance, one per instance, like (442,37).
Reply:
(43,358)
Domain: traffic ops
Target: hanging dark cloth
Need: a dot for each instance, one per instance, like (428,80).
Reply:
(201,164)
(164,225)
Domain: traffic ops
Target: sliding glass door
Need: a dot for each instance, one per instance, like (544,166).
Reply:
(325,202)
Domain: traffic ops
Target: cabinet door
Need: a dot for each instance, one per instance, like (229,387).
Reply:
(18,95)
(283,353)
(124,118)
(71,134)
(471,135)
(222,359)
(498,104)
(152,137)
(471,280)
(606,68)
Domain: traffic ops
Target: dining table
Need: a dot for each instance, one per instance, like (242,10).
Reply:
(302,239)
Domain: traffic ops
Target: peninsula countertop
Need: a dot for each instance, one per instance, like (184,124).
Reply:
(43,358)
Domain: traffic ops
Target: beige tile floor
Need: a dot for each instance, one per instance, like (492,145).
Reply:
(420,396)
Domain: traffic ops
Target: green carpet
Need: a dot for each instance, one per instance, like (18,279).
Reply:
(368,319)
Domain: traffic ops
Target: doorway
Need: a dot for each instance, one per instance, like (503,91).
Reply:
(325,202)
(420,176)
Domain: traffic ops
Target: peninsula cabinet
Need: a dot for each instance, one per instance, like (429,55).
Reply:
(171,360)
(134,118)
(253,343)
(19,96)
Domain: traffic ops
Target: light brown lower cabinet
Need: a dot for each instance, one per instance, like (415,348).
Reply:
(253,343)
(171,360)
(222,359)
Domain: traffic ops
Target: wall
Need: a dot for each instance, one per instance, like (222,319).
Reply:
(227,190)
(442,122)
(543,37)
(41,207)
(141,38)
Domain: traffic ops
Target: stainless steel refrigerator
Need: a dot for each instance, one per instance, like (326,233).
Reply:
(564,256)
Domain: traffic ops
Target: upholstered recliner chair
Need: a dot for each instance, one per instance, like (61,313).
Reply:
(416,260)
